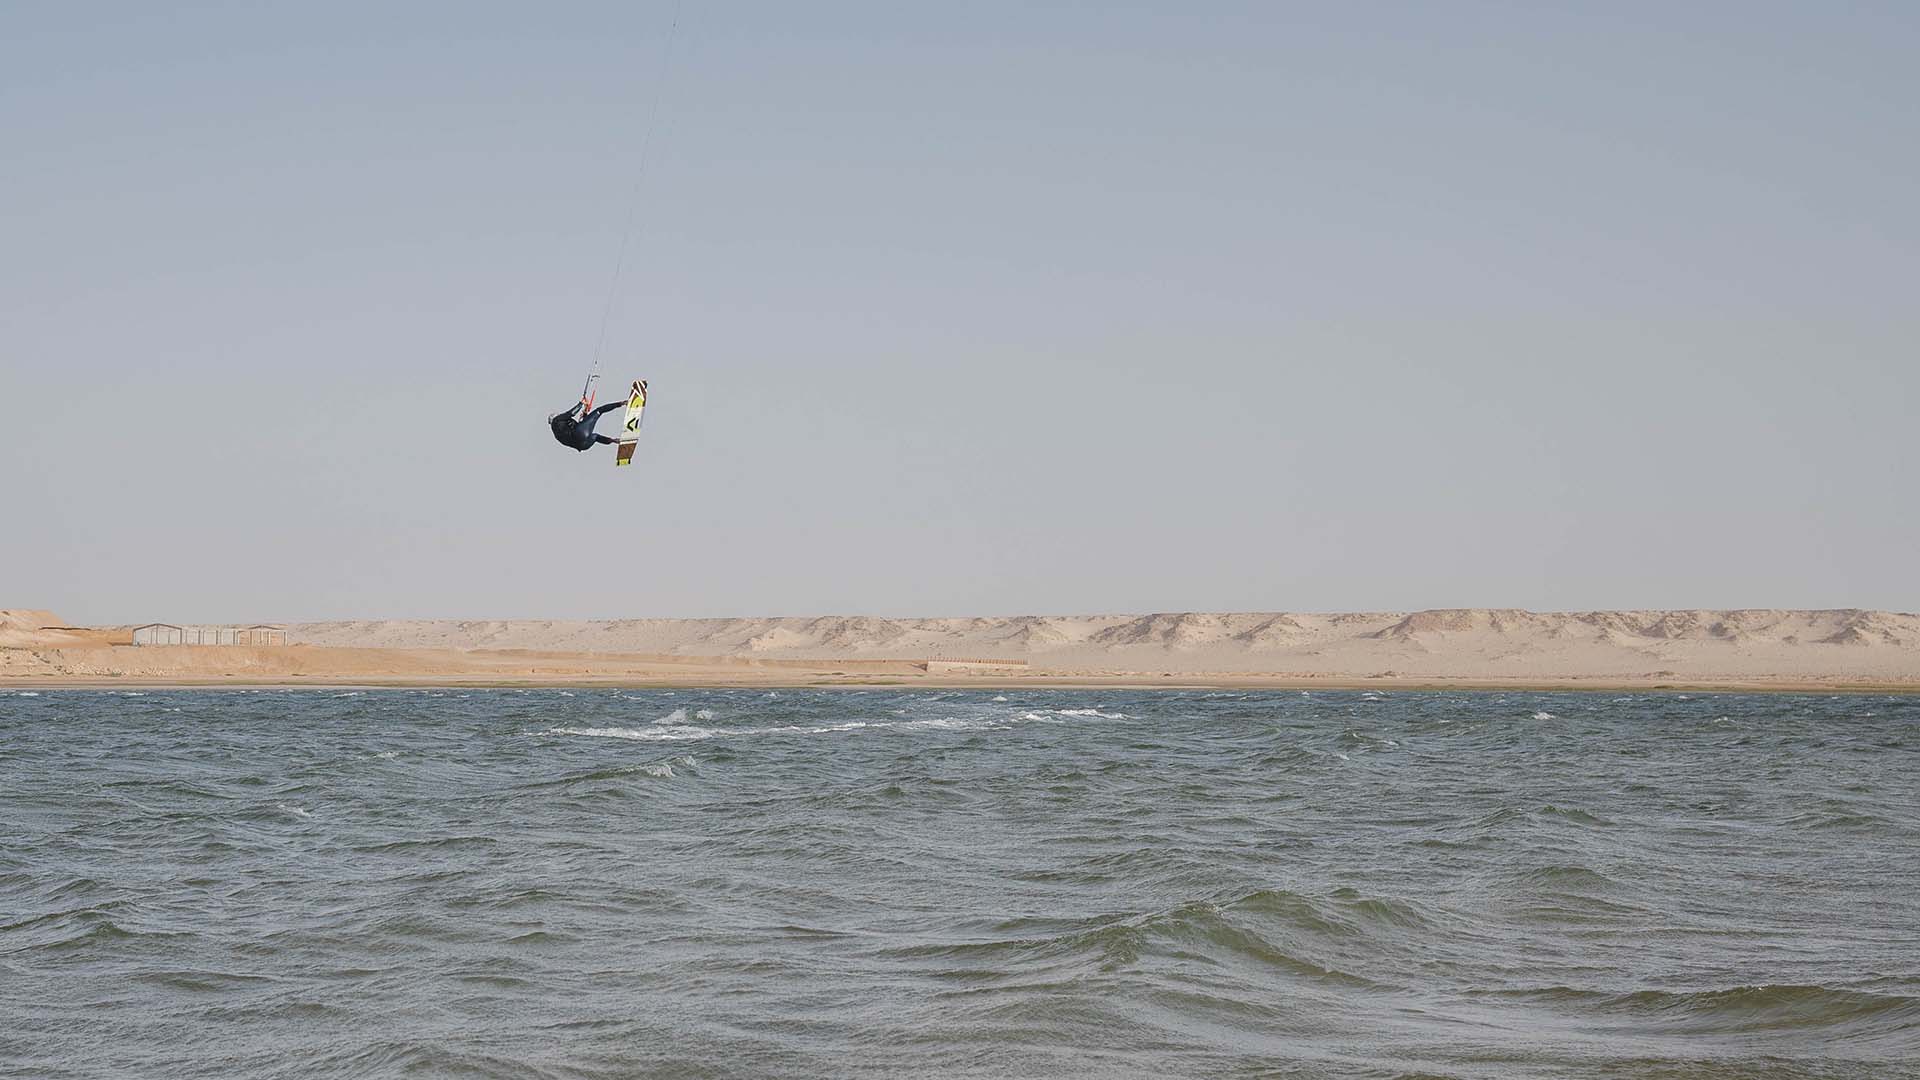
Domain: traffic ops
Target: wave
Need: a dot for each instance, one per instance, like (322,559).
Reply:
(1363,743)
(1737,1010)
(166,788)
(658,769)
(1272,929)
(87,928)
(429,843)
(1369,910)
(1572,814)
(408,1058)
(1836,818)
(1566,877)
(542,938)
(199,981)
(94,913)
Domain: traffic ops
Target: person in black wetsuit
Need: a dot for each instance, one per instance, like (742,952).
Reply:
(575,426)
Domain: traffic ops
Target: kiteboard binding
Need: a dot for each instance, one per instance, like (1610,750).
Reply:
(630,427)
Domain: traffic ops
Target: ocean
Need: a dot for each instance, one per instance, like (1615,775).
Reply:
(877,883)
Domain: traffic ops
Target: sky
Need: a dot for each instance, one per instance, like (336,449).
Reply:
(991,308)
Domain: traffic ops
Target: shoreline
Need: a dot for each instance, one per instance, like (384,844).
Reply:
(1031,681)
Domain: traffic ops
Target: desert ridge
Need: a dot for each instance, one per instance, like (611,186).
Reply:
(1468,643)
(1468,646)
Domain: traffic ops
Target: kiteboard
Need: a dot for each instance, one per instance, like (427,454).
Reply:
(630,428)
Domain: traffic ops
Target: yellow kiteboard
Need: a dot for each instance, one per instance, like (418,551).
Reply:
(630,430)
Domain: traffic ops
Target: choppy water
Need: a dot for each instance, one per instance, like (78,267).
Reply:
(874,883)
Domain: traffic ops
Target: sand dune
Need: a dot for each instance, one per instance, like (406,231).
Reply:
(22,628)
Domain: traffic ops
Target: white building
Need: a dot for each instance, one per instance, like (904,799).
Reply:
(170,634)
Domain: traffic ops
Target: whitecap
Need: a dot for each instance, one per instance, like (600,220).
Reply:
(1544,716)
(662,734)
(1082,714)
(945,723)
(829,729)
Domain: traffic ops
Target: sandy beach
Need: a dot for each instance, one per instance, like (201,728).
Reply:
(1458,648)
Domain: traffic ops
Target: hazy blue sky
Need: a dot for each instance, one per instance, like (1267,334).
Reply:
(959,308)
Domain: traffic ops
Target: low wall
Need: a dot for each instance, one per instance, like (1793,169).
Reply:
(962,667)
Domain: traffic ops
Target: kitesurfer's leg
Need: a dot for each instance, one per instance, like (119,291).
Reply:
(603,439)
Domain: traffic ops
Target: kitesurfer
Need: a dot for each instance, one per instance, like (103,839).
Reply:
(575,426)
